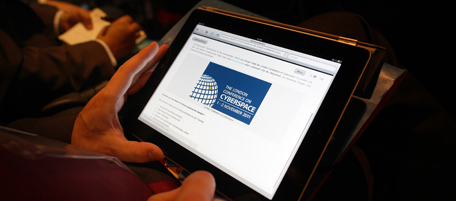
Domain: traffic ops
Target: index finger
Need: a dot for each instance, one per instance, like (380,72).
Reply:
(141,78)
(123,78)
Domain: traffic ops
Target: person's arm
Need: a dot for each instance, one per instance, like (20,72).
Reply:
(32,77)
(118,39)
(46,14)
(72,14)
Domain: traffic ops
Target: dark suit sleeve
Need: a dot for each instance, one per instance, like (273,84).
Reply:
(46,14)
(31,77)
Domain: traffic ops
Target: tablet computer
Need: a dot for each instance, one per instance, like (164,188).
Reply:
(251,101)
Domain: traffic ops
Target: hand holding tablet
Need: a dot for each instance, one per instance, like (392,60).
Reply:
(97,127)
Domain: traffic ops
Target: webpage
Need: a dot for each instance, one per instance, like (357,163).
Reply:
(240,104)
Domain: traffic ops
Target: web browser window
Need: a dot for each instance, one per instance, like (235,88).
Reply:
(234,100)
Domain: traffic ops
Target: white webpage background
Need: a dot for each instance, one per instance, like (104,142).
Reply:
(256,154)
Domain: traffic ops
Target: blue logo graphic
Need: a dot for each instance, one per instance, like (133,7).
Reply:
(230,92)
(205,91)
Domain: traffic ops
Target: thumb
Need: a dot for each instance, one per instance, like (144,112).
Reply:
(88,24)
(86,20)
(139,152)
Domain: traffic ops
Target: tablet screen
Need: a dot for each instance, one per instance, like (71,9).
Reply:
(233,100)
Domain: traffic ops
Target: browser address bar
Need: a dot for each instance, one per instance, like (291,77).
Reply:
(280,53)
(254,45)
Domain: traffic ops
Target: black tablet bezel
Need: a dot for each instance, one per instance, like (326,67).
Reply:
(308,155)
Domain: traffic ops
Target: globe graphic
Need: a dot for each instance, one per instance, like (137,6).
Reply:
(205,91)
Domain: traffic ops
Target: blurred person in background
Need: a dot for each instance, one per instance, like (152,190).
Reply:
(36,68)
